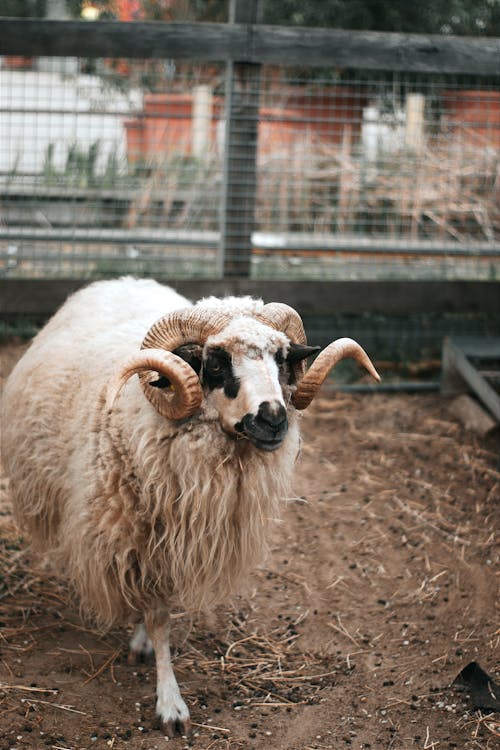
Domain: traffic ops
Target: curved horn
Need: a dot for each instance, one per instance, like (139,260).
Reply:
(183,397)
(326,361)
(184,326)
(284,318)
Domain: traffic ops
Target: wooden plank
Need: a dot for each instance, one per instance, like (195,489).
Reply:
(472,415)
(305,243)
(40,297)
(253,43)
(458,374)
(485,347)
(103,235)
(372,50)
(357,297)
(140,39)
(35,300)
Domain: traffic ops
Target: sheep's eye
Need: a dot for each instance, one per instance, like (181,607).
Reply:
(217,362)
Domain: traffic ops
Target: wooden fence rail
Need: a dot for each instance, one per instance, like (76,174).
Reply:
(39,298)
(244,45)
(253,43)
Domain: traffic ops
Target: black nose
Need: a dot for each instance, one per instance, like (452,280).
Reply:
(267,428)
(272,415)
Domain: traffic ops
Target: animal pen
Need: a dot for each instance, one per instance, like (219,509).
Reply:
(354,176)
(347,173)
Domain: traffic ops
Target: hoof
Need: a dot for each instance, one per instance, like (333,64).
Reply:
(140,649)
(175,727)
(140,657)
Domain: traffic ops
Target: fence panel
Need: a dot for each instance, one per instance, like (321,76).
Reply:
(379,177)
(111,165)
(106,163)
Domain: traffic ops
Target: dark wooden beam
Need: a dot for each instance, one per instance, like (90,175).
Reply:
(371,50)
(141,39)
(39,298)
(253,43)
(240,153)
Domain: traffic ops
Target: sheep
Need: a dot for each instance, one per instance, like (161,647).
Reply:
(153,493)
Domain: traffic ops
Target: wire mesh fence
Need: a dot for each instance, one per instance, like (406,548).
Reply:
(109,166)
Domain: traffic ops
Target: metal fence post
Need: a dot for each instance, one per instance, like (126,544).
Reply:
(240,152)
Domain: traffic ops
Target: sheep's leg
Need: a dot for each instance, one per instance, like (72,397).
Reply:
(141,648)
(170,707)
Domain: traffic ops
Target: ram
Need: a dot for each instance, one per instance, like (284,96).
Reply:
(154,492)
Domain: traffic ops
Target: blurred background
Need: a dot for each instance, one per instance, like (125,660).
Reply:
(345,159)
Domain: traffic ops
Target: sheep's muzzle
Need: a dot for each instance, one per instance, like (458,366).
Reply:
(266,429)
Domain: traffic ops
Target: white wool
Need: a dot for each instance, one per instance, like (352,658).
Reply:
(138,511)
(232,305)
(247,335)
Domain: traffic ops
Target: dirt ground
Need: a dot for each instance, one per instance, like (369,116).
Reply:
(381,585)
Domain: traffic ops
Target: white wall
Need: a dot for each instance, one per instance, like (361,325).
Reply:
(39,108)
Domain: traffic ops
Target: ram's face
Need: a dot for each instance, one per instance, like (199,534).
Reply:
(245,370)
(245,390)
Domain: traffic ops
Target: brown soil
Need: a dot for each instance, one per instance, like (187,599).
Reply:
(381,585)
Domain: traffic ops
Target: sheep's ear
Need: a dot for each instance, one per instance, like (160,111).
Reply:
(190,353)
(162,382)
(298,352)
